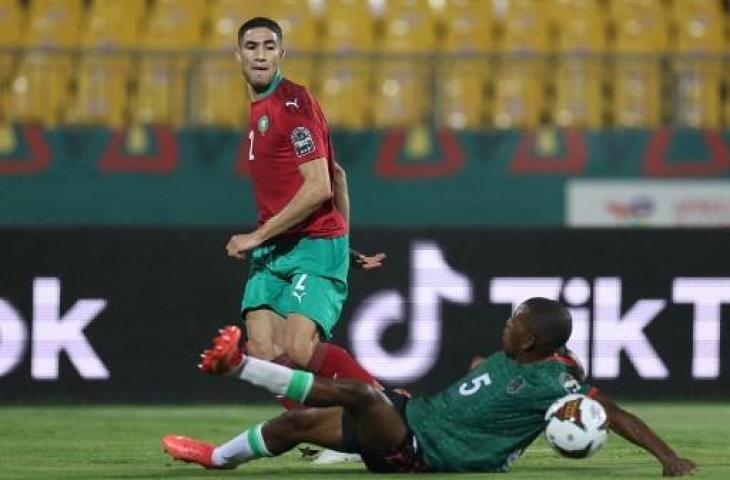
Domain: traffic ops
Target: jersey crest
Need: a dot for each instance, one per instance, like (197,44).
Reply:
(515,384)
(263,124)
(302,141)
(569,383)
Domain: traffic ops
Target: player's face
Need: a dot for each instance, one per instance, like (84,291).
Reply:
(259,53)
(515,331)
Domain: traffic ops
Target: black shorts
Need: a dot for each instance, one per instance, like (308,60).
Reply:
(405,458)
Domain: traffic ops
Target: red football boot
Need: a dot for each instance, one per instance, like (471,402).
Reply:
(225,356)
(189,450)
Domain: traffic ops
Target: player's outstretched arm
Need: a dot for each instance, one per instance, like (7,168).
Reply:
(633,429)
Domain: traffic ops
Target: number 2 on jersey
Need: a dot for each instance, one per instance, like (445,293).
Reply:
(476,383)
(250,145)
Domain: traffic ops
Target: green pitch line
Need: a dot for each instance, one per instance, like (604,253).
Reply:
(123,442)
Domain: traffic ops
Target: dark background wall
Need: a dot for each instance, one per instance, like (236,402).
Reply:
(130,308)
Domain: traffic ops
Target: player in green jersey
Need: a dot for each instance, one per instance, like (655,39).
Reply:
(499,406)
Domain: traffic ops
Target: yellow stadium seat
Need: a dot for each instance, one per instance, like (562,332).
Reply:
(468,26)
(697,87)
(103,75)
(579,93)
(518,89)
(345,82)
(580,26)
(224,19)
(579,73)
(39,90)
(697,75)
(12,18)
(518,94)
(160,91)
(349,26)
(54,23)
(526,27)
(726,76)
(408,26)
(113,24)
(699,26)
(297,20)
(402,98)
(102,91)
(220,96)
(462,80)
(174,24)
(641,34)
(727,96)
(461,93)
(345,92)
(640,26)
(636,92)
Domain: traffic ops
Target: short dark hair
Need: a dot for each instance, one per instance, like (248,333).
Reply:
(550,322)
(257,22)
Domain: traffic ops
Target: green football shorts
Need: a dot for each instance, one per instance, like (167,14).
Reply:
(307,276)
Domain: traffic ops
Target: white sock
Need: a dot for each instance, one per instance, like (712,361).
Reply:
(279,380)
(247,446)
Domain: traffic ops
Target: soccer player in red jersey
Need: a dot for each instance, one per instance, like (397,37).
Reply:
(299,254)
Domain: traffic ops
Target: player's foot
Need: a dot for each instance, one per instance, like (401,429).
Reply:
(331,457)
(225,356)
(189,450)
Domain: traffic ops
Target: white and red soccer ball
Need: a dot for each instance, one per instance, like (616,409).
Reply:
(576,426)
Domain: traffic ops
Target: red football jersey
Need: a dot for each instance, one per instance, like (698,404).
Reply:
(287,128)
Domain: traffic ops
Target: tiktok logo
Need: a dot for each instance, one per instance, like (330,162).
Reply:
(52,334)
(604,328)
(432,282)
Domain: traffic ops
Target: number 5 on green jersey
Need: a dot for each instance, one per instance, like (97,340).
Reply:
(466,389)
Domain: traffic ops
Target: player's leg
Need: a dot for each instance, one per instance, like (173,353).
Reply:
(264,332)
(300,337)
(321,427)
(263,309)
(380,427)
(315,306)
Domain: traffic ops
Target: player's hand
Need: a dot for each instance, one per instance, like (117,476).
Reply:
(360,261)
(677,467)
(238,245)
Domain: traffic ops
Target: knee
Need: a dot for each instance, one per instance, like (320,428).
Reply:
(358,394)
(259,348)
(299,351)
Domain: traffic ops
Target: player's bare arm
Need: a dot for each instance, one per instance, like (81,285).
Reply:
(358,260)
(342,193)
(633,429)
(315,190)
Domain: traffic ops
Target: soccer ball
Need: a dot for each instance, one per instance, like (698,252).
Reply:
(576,426)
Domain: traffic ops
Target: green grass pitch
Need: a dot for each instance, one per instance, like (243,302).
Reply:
(101,442)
